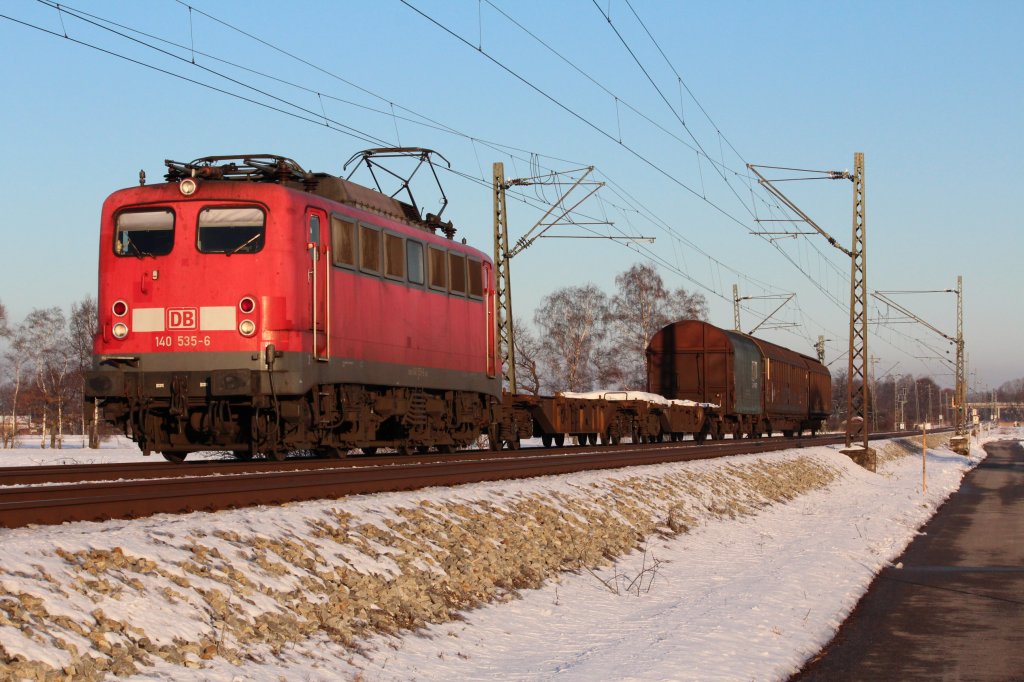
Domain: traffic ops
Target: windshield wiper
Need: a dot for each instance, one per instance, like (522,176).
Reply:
(139,253)
(244,244)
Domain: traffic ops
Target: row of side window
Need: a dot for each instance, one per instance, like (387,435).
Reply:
(378,252)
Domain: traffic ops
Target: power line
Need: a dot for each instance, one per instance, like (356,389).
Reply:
(572,112)
(317,119)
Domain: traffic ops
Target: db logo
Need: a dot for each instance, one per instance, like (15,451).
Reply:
(182,318)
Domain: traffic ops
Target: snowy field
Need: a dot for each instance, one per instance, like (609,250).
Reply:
(744,598)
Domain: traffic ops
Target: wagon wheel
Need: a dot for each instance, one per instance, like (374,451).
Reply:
(513,443)
(242,455)
(369,450)
(176,457)
(444,448)
(277,455)
(422,449)
(545,439)
(559,440)
(403,450)
(787,433)
(592,438)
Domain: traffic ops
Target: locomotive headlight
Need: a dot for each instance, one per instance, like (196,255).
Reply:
(120,330)
(187,186)
(246,327)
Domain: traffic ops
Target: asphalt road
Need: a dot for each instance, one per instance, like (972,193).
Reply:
(955,610)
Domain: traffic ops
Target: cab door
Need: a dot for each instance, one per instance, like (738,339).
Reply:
(319,276)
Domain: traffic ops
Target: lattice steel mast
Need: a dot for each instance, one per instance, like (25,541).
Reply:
(961,379)
(857,397)
(503,282)
(857,400)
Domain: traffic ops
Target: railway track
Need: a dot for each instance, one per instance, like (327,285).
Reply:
(97,492)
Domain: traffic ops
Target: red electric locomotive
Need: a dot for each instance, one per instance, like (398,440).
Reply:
(248,305)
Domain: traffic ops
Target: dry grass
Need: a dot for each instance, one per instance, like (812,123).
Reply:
(443,558)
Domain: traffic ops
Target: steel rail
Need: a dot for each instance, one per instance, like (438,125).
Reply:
(54,504)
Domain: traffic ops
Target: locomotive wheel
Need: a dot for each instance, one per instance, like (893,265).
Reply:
(545,439)
(176,457)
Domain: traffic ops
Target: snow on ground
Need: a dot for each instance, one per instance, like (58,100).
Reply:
(732,597)
(75,450)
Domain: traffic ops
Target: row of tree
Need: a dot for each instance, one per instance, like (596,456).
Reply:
(44,361)
(583,338)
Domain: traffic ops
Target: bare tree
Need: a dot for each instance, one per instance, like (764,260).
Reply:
(572,325)
(684,305)
(81,328)
(48,351)
(4,333)
(641,306)
(18,360)
(637,311)
(528,358)
(1011,391)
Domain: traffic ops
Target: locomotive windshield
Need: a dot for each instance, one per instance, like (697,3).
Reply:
(144,233)
(231,230)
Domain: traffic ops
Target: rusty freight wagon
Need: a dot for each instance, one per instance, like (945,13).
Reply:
(759,387)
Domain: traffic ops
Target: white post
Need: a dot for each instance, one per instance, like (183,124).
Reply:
(924,458)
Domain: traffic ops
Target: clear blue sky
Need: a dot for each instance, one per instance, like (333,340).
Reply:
(931,92)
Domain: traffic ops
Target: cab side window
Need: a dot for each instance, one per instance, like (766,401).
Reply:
(414,261)
(144,233)
(231,230)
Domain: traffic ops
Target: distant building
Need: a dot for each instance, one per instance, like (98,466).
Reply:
(24,423)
